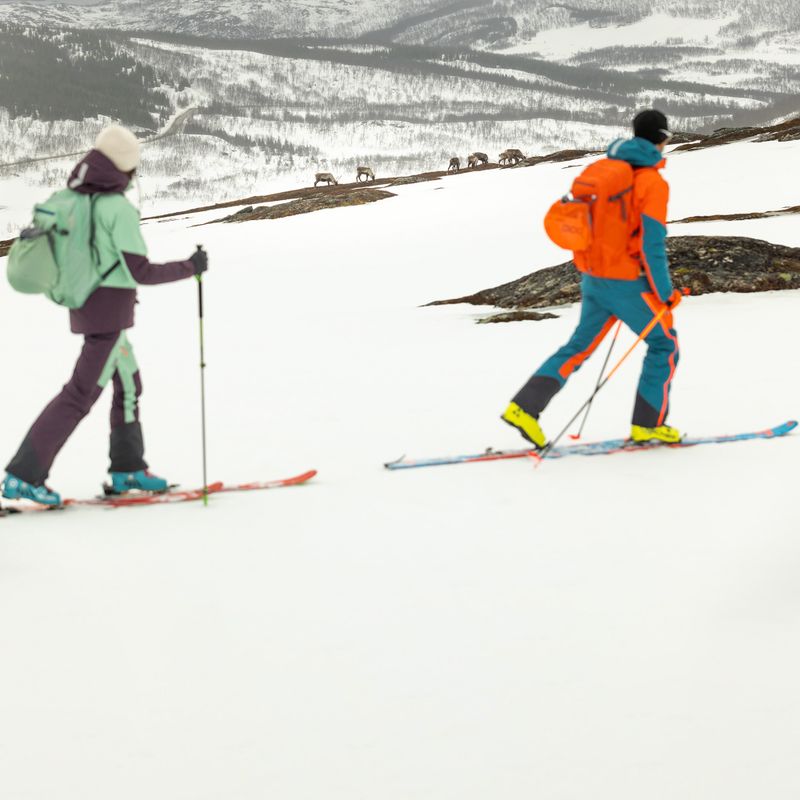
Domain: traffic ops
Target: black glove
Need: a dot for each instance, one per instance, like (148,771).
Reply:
(200,260)
(674,299)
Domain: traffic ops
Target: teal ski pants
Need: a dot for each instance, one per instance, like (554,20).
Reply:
(604,302)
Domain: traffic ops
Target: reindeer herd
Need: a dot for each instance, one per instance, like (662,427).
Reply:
(510,157)
(363,173)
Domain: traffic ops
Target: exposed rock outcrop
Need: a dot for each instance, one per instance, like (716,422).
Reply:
(702,264)
(308,205)
(561,155)
(781,212)
(685,137)
(784,132)
(518,316)
(326,191)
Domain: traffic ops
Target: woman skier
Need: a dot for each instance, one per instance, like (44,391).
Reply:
(107,357)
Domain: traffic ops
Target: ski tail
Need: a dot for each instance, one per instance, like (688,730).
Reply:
(606,447)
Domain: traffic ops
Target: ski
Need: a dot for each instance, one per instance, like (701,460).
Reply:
(172,496)
(144,499)
(124,501)
(257,486)
(606,447)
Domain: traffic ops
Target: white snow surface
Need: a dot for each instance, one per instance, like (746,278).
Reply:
(621,627)
(659,28)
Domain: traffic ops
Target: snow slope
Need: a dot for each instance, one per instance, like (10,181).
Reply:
(417,20)
(619,628)
(659,28)
(227,17)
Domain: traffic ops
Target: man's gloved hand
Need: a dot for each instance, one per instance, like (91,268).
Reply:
(200,260)
(674,299)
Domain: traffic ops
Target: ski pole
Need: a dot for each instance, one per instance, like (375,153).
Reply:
(202,380)
(576,436)
(540,456)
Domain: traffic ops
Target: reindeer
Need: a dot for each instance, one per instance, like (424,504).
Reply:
(325,177)
(455,165)
(504,158)
(366,172)
(514,155)
(478,158)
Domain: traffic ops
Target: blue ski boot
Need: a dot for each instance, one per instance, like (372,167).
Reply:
(16,489)
(142,481)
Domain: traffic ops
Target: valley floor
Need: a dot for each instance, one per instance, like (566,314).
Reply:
(618,628)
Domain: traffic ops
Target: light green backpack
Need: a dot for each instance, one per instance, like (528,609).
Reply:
(56,256)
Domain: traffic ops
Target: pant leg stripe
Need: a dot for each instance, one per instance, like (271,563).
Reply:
(575,361)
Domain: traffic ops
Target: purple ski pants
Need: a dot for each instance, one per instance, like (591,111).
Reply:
(104,358)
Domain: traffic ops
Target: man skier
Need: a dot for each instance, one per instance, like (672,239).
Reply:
(633,291)
(105,173)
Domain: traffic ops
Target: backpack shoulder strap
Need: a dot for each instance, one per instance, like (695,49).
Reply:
(92,229)
(93,198)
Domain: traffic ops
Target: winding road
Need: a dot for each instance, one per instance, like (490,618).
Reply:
(173,128)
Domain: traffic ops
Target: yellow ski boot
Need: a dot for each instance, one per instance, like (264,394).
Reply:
(663,433)
(526,424)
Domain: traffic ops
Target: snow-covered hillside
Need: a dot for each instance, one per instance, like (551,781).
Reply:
(618,628)
(229,17)
(400,87)
(267,114)
(415,21)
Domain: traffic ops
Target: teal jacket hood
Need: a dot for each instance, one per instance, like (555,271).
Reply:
(637,152)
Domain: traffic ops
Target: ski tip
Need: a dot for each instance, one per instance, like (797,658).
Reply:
(297,480)
(782,430)
(394,464)
(305,477)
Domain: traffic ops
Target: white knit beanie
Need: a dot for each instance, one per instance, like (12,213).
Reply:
(120,146)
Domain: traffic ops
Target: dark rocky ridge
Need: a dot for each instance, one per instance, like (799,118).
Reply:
(701,264)
(337,196)
(341,191)
(789,129)
(781,212)
(307,205)
(518,316)
(783,132)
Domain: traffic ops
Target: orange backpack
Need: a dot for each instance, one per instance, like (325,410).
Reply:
(596,221)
